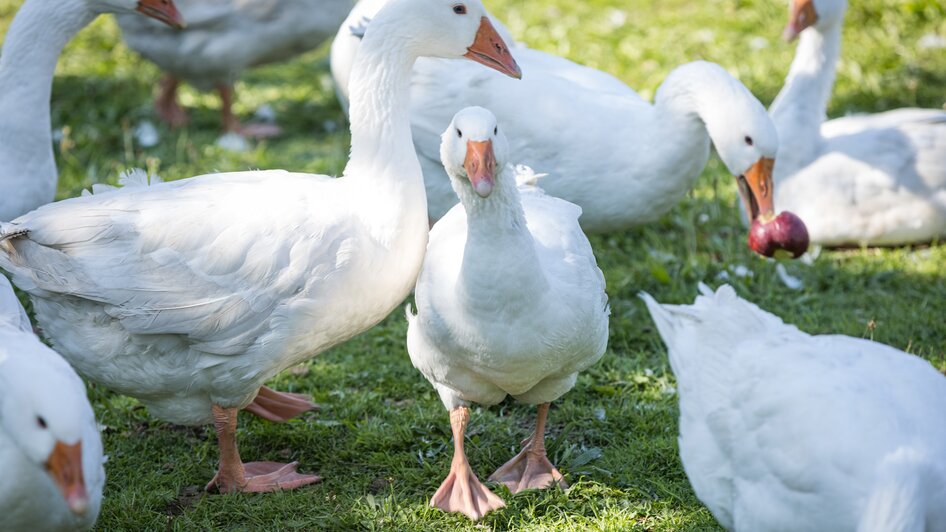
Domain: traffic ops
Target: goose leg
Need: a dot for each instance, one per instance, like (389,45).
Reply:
(280,406)
(235,476)
(531,469)
(461,491)
(166,105)
(231,124)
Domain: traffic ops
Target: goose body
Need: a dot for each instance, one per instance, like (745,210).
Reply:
(189,295)
(623,160)
(510,300)
(44,414)
(861,180)
(31,48)
(221,282)
(781,430)
(225,37)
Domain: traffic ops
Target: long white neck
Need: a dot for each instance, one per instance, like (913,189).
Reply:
(692,103)
(383,162)
(801,106)
(500,254)
(31,49)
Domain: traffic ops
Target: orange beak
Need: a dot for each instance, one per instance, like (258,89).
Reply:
(755,187)
(162,10)
(65,466)
(803,14)
(489,49)
(480,165)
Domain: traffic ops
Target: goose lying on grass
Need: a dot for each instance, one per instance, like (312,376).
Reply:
(189,295)
(50,448)
(222,39)
(781,430)
(510,302)
(865,179)
(31,48)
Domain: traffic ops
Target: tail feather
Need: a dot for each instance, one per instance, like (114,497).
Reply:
(134,177)
(907,484)
(702,338)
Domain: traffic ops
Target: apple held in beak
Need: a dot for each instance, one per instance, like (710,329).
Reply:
(65,467)
(803,14)
(162,10)
(489,49)
(480,165)
(770,235)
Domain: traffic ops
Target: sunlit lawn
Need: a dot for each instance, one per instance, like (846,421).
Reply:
(382,439)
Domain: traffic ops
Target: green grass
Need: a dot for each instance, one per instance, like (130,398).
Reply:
(382,439)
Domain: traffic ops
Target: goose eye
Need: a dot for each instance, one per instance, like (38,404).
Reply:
(459,9)
(749,140)
(41,422)
(459,133)
(496,130)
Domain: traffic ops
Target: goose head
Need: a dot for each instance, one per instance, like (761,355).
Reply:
(820,14)
(449,29)
(40,414)
(161,10)
(473,149)
(747,142)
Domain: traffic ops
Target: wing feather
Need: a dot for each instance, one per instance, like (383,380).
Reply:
(207,257)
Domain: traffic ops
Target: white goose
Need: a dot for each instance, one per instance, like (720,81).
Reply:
(863,180)
(621,159)
(510,302)
(189,295)
(781,430)
(222,39)
(31,48)
(50,448)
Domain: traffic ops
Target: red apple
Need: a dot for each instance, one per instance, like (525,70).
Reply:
(784,232)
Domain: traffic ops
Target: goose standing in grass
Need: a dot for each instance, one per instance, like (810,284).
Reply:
(189,295)
(222,39)
(50,448)
(781,430)
(31,48)
(623,160)
(510,302)
(866,179)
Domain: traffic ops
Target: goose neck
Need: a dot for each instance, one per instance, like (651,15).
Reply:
(380,98)
(801,106)
(500,254)
(500,213)
(383,165)
(701,94)
(31,48)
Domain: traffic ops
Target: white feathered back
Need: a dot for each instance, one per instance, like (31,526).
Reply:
(825,432)
(699,336)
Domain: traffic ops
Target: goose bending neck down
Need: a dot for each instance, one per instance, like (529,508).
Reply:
(189,295)
(31,48)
